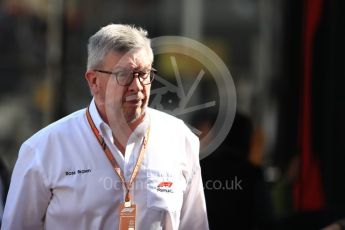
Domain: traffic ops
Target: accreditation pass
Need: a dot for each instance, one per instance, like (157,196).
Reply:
(127,216)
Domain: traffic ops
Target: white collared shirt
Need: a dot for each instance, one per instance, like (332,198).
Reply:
(63,180)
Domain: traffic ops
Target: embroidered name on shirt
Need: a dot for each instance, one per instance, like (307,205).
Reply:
(79,171)
(165,186)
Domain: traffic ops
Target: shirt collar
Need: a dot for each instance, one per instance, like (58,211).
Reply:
(95,115)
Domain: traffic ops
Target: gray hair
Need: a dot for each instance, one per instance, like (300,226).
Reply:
(117,38)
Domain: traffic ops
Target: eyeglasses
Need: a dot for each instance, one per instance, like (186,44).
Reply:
(126,77)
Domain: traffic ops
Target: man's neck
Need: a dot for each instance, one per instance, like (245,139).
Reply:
(121,143)
(121,130)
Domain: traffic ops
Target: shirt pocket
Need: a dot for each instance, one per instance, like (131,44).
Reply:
(164,191)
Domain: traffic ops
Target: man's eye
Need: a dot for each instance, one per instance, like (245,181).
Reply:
(122,74)
(143,74)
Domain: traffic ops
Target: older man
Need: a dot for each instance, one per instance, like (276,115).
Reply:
(116,164)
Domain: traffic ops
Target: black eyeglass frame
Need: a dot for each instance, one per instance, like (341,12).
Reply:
(140,75)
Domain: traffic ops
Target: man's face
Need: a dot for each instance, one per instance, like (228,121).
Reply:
(128,102)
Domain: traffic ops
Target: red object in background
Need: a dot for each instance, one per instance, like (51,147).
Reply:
(308,190)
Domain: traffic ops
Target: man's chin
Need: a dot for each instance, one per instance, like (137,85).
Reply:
(134,116)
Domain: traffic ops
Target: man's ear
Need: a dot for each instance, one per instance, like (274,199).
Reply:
(92,81)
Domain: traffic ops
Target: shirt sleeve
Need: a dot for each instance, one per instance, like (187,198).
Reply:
(28,197)
(1,202)
(193,213)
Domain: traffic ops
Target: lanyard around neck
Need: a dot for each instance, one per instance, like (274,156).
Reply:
(112,160)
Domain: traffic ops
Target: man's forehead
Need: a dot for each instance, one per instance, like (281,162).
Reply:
(138,58)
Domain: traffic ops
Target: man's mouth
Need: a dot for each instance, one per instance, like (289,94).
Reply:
(134,99)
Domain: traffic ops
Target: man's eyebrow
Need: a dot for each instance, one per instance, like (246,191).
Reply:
(143,68)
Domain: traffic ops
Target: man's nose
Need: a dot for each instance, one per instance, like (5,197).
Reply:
(136,84)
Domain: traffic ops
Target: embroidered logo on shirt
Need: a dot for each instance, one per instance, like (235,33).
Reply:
(165,186)
(79,171)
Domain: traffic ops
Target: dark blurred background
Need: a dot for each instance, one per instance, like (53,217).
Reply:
(285,58)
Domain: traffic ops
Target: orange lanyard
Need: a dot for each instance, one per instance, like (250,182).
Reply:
(112,160)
